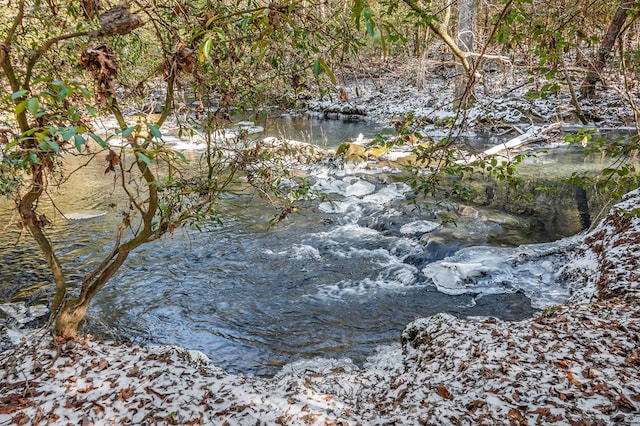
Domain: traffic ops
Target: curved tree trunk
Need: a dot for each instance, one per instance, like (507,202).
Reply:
(440,30)
(604,52)
(68,320)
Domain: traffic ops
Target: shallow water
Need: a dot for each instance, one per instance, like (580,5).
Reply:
(336,280)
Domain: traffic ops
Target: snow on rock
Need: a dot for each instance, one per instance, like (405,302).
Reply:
(418,227)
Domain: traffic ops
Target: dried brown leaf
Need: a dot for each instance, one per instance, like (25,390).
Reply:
(624,404)
(589,373)
(515,417)
(474,405)
(20,419)
(134,372)
(542,411)
(444,392)
(112,161)
(125,394)
(572,379)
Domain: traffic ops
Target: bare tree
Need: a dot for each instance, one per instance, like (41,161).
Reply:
(604,52)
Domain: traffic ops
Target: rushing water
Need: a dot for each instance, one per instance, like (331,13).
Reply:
(337,280)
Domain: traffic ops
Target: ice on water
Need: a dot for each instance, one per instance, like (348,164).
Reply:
(531,269)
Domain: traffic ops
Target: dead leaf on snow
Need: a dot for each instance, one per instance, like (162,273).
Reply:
(633,359)
(444,392)
(472,406)
(624,404)
(20,419)
(572,379)
(515,417)
(14,402)
(100,364)
(125,394)
(134,372)
(589,373)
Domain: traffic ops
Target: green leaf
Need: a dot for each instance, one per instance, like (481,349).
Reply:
(18,94)
(370,28)
(33,106)
(62,94)
(356,12)
(154,130)
(127,132)
(99,140)
(19,109)
(68,133)
(206,49)
(144,158)
(34,158)
(319,66)
(79,141)
(54,146)
(181,156)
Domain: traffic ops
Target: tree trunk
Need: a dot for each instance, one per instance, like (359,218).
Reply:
(466,18)
(582,201)
(440,30)
(604,52)
(68,321)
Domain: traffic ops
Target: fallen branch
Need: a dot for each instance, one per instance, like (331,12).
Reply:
(532,135)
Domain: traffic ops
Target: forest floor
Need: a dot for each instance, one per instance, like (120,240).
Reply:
(577,364)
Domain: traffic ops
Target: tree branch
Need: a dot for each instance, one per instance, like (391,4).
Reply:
(38,53)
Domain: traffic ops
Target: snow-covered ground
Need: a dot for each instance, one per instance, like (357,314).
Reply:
(505,97)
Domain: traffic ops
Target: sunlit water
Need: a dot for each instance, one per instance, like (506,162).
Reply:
(336,280)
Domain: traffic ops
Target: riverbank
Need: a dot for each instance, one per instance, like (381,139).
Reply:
(506,97)
(574,364)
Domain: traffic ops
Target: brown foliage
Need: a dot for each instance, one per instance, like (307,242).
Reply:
(181,60)
(89,8)
(99,61)
(112,160)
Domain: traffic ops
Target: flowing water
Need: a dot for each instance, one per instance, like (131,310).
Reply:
(337,280)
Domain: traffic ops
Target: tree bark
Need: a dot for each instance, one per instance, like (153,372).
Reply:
(440,30)
(588,89)
(466,20)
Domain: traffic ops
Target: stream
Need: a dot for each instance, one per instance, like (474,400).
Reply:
(337,280)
